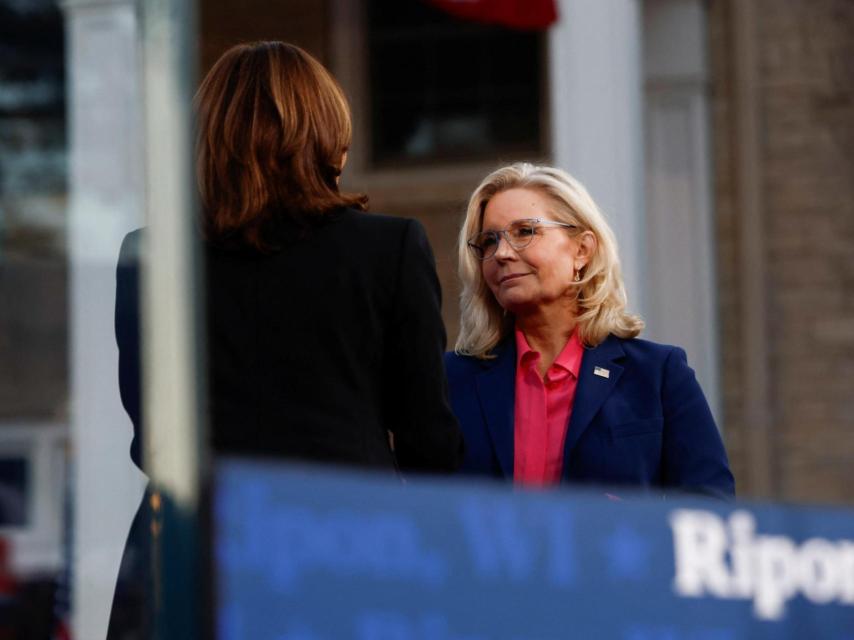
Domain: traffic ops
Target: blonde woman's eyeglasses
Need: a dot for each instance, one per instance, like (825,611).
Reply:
(518,235)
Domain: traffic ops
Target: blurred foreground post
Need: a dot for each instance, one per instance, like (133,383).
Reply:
(106,200)
(171,331)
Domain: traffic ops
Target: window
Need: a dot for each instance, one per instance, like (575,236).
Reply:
(444,89)
(34,390)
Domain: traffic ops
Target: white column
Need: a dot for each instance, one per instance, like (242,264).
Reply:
(107,190)
(596,97)
(173,327)
(681,240)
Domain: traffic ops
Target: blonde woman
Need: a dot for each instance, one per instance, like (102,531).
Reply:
(548,379)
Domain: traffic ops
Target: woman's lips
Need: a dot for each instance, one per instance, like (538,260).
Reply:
(512,276)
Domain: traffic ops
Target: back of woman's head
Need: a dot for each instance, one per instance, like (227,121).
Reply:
(272,129)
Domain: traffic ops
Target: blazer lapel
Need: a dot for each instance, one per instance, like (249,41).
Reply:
(496,390)
(596,379)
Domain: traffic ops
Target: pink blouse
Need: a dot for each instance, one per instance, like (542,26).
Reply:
(543,409)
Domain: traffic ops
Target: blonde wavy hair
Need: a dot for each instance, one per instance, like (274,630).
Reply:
(600,293)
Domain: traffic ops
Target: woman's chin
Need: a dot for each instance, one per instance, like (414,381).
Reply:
(517,306)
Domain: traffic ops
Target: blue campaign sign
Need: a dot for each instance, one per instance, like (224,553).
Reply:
(305,554)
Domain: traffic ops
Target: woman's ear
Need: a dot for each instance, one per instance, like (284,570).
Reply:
(341,166)
(586,248)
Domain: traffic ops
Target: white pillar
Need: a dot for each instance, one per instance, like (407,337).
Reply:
(597,135)
(173,320)
(681,288)
(106,189)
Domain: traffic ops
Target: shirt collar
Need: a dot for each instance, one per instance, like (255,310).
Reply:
(569,358)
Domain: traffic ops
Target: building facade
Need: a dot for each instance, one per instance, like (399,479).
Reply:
(717,135)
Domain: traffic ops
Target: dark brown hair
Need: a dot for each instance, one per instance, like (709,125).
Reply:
(272,126)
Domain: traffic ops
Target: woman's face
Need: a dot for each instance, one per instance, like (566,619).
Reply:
(529,280)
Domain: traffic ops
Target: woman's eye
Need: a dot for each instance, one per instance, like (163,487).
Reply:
(487,241)
(524,232)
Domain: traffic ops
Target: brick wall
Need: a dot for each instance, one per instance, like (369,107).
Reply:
(805,50)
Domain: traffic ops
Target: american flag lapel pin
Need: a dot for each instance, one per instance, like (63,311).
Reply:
(601,372)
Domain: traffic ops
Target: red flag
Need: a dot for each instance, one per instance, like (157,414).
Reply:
(516,14)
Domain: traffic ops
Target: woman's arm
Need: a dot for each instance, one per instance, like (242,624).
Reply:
(127,337)
(694,458)
(426,434)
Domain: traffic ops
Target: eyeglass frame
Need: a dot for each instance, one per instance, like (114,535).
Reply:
(499,233)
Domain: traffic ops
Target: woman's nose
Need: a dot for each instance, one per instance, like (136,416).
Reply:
(504,249)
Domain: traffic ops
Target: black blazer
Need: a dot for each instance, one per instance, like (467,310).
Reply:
(317,350)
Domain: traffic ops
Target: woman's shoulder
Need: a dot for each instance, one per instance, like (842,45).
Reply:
(371,222)
(460,368)
(648,351)
(457,364)
(458,361)
(132,247)
(389,237)
(641,345)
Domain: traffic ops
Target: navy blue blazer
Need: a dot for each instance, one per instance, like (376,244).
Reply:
(643,421)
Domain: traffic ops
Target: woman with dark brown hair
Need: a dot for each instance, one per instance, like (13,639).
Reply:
(273,133)
(323,322)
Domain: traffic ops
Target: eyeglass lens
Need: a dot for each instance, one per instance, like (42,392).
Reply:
(518,234)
